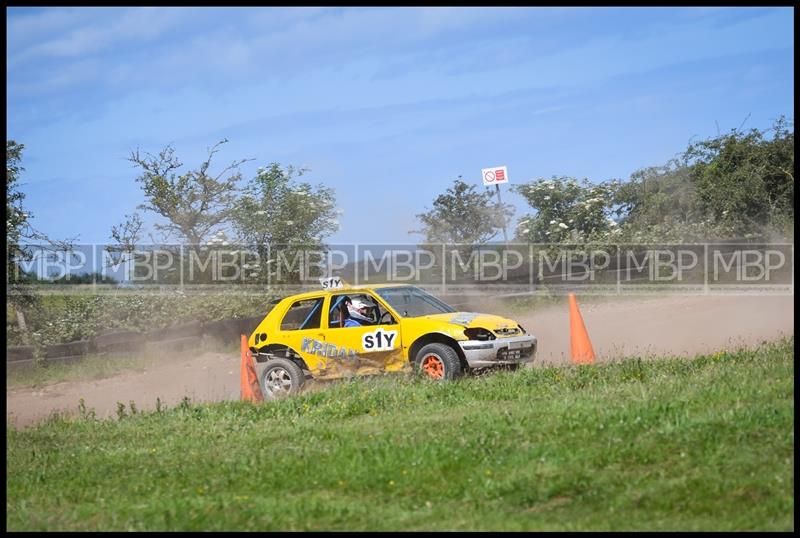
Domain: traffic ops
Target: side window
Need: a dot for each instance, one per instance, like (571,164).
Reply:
(383,315)
(339,313)
(304,314)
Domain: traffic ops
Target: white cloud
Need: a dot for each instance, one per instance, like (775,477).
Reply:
(23,28)
(92,32)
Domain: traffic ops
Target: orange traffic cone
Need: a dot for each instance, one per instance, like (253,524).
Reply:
(581,347)
(251,391)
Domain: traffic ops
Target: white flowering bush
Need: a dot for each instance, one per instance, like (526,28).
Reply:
(737,185)
(277,209)
(567,211)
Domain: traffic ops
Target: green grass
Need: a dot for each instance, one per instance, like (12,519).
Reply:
(676,444)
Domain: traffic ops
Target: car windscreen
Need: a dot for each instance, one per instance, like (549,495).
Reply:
(411,302)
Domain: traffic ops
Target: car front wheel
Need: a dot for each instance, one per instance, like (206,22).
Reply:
(438,361)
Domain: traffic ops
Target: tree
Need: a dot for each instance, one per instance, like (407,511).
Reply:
(274,209)
(195,203)
(126,236)
(734,185)
(277,212)
(462,215)
(16,217)
(19,233)
(745,180)
(567,210)
(660,203)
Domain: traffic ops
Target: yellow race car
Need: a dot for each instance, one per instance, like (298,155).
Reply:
(348,331)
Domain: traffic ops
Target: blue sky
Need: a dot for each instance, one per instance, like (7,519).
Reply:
(387,106)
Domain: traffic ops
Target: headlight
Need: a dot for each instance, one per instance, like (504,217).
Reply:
(479,334)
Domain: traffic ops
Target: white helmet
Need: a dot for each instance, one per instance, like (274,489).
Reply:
(353,308)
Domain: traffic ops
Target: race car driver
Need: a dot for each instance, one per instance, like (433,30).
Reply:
(358,311)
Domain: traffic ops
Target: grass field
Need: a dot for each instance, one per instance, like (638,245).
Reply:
(673,444)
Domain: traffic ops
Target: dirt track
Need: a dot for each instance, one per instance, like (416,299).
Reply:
(681,326)
(649,326)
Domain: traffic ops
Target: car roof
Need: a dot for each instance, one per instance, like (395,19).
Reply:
(322,293)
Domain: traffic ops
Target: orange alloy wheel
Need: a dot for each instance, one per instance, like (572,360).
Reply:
(433,366)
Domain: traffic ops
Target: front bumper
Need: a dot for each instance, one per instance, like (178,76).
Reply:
(485,353)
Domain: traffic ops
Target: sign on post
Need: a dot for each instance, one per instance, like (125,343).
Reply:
(495,176)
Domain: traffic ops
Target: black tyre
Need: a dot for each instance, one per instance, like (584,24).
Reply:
(438,361)
(280,378)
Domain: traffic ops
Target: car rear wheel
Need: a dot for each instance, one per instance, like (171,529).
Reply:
(438,361)
(281,378)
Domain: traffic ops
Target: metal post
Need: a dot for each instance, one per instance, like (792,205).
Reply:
(502,214)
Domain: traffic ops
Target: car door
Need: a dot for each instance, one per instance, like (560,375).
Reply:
(301,330)
(366,349)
